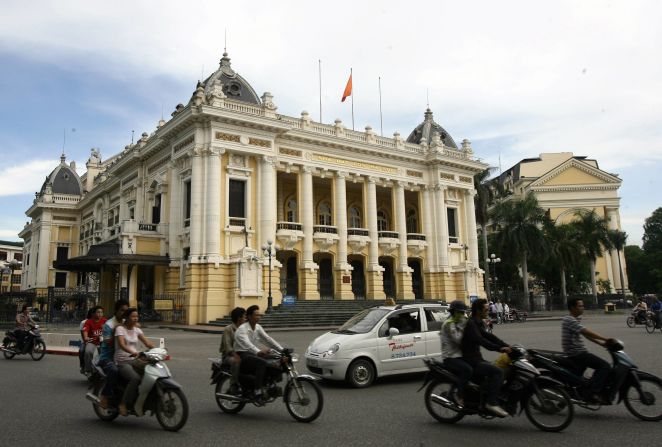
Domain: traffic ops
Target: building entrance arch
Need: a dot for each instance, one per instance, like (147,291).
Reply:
(386,262)
(289,274)
(324,275)
(358,277)
(416,277)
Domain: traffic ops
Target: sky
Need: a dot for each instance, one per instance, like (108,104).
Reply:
(517,78)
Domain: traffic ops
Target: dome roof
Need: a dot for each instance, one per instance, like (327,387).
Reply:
(426,129)
(63,180)
(234,86)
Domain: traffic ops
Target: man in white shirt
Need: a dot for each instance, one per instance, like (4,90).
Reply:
(252,344)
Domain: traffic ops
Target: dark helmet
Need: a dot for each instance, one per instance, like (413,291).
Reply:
(457,306)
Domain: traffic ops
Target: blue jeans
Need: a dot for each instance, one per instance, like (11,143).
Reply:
(112,373)
(461,369)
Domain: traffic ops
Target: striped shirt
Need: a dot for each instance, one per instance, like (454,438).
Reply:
(571,337)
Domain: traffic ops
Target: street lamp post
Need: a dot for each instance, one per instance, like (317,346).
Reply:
(492,260)
(269,250)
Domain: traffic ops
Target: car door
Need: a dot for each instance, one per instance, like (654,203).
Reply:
(434,318)
(407,349)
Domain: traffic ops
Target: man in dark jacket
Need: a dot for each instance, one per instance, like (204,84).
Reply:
(476,336)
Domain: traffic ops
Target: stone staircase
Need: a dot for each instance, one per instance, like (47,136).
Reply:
(302,314)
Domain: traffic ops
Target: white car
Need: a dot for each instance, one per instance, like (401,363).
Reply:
(380,341)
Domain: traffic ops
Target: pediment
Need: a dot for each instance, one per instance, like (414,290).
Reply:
(574,172)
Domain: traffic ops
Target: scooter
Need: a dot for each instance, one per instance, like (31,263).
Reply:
(543,399)
(33,344)
(302,396)
(640,391)
(158,394)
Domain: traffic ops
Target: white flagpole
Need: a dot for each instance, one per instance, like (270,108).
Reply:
(352,92)
(320,79)
(381,123)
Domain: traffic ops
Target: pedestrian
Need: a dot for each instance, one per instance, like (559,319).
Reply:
(656,308)
(499,308)
(506,312)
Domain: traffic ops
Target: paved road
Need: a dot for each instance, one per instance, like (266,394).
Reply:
(43,404)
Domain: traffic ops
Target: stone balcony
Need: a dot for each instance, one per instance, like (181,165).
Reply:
(325,236)
(288,234)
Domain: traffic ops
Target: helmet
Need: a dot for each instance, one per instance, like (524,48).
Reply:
(457,306)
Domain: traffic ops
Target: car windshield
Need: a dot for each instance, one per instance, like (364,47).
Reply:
(362,322)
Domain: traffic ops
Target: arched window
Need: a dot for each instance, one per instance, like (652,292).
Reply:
(291,210)
(412,221)
(324,216)
(382,221)
(354,217)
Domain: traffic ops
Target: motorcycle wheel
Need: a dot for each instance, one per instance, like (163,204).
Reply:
(10,355)
(650,326)
(172,410)
(649,406)
(107,415)
(550,409)
(308,406)
(227,406)
(630,321)
(438,411)
(38,350)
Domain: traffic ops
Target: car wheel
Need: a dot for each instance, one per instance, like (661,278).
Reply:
(360,373)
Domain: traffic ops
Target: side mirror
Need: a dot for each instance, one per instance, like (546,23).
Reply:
(392,332)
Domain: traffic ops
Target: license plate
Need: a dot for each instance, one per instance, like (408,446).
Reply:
(312,362)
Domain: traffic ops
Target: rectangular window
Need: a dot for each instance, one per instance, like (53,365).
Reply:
(187,203)
(156,209)
(132,213)
(3,255)
(18,256)
(60,280)
(451,214)
(237,191)
(62,253)
(110,219)
(27,259)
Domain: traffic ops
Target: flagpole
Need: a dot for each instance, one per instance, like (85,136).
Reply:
(352,78)
(320,78)
(381,123)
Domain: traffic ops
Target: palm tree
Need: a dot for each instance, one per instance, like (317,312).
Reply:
(617,240)
(593,238)
(482,201)
(519,231)
(561,250)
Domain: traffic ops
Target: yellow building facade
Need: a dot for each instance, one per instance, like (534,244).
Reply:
(565,184)
(188,209)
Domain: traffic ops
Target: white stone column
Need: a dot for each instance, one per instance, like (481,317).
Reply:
(44,264)
(470,225)
(442,226)
(212,212)
(401,223)
(371,218)
(612,224)
(280,205)
(176,208)
(340,214)
(267,200)
(307,211)
(428,227)
(197,187)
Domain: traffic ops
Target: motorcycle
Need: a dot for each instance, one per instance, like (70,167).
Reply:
(517,315)
(158,394)
(302,396)
(638,317)
(543,399)
(33,344)
(640,391)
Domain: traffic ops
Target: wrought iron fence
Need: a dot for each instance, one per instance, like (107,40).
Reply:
(166,307)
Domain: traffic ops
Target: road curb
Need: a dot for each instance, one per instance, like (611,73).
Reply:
(61,351)
(274,329)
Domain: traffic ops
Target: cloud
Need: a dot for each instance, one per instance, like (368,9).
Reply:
(25,178)
(9,234)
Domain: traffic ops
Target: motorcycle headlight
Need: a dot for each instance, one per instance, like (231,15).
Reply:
(333,349)
(295,358)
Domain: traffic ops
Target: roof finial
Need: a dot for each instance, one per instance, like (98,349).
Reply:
(225,42)
(427,95)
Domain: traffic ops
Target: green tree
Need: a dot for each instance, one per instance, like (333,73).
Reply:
(561,250)
(592,237)
(617,240)
(653,248)
(639,274)
(518,222)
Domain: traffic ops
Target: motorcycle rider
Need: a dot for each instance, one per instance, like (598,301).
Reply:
(127,336)
(640,310)
(229,356)
(476,336)
(106,357)
(656,308)
(451,334)
(576,352)
(23,323)
(248,337)
(92,336)
(81,351)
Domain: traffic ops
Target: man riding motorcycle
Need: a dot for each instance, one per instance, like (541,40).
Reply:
(248,337)
(576,352)
(108,352)
(229,356)
(23,323)
(476,336)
